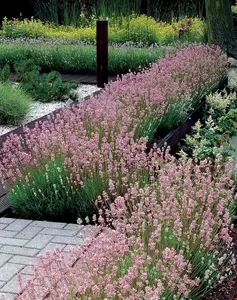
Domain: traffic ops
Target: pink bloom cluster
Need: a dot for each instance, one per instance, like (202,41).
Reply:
(170,240)
(96,137)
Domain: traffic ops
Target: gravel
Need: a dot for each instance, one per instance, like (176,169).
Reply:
(39,109)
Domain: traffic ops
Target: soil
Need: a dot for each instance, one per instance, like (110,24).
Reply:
(227,290)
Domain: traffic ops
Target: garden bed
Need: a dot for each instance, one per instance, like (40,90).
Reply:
(172,140)
(170,217)
(104,111)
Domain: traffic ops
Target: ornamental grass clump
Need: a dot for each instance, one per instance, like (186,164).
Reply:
(170,240)
(104,139)
(14,103)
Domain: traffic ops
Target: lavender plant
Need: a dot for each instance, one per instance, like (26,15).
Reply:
(170,240)
(107,135)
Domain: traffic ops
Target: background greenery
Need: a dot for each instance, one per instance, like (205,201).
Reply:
(137,29)
(78,59)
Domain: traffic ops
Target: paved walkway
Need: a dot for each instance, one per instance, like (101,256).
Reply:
(21,241)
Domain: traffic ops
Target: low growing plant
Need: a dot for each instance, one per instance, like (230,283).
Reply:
(14,104)
(211,135)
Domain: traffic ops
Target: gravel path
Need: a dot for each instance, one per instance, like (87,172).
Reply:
(39,109)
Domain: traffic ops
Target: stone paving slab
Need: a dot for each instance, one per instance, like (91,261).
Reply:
(22,241)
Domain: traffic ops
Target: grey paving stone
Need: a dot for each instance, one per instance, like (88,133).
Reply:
(52,246)
(87,232)
(29,232)
(73,227)
(28,270)
(23,260)
(49,224)
(5,233)
(19,250)
(2,283)
(13,285)
(12,241)
(8,296)
(39,241)
(68,247)
(4,258)
(63,232)
(9,270)
(2,226)
(68,258)
(68,240)
(18,225)
(6,220)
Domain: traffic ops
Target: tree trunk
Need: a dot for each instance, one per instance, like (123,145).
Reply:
(220,25)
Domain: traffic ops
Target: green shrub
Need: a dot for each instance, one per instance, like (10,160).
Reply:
(45,87)
(14,104)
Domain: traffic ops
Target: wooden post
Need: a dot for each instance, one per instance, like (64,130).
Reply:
(102,52)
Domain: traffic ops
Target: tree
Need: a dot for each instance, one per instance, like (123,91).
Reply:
(220,25)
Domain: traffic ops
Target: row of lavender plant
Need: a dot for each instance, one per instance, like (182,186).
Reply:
(61,166)
(170,219)
(170,240)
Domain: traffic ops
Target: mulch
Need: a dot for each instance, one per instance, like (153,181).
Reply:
(227,290)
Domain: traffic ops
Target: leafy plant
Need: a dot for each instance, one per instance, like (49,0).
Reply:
(206,141)
(14,104)
(211,135)
(228,124)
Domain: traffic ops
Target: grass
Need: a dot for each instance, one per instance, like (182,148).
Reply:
(14,104)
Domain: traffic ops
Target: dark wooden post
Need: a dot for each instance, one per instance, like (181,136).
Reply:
(102,52)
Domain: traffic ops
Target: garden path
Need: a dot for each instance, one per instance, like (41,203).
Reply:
(22,241)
